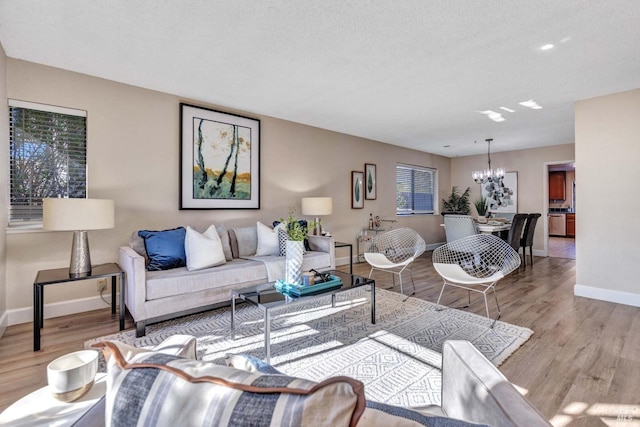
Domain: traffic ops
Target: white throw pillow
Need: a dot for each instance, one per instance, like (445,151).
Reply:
(267,239)
(203,250)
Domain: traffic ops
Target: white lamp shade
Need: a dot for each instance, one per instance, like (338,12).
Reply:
(317,206)
(77,214)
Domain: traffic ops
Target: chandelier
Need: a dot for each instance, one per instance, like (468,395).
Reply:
(489,175)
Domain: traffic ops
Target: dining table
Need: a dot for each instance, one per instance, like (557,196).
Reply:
(491,228)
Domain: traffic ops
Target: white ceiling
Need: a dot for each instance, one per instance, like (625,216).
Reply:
(410,73)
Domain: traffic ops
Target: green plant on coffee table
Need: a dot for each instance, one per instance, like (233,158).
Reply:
(481,205)
(295,229)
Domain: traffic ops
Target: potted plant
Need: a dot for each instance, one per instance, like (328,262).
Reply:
(481,205)
(296,233)
(457,203)
(296,229)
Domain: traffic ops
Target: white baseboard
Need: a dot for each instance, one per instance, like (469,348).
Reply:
(57,309)
(4,322)
(433,246)
(609,295)
(345,260)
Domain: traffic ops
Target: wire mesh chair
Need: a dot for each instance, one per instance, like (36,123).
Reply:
(458,226)
(475,263)
(394,251)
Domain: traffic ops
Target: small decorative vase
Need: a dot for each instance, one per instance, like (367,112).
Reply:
(295,253)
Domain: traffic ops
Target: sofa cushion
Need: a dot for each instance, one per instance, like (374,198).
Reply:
(267,239)
(180,281)
(244,241)
(159,389)
(203,250)
(137,244)
(376,414)
(283,236)
(165,248)
(226,244)
(249,363)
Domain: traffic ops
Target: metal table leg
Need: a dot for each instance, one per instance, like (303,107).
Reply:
(37,314)
(373,303)
(113,294)
(122,290)
(233,315)
(267,335)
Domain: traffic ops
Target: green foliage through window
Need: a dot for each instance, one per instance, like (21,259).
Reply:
(47,158)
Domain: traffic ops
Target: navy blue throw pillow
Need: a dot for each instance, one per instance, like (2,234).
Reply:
(165,248)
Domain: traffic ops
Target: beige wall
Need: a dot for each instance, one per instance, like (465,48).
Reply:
(607,155)
(532,178)
(4,161)
(133,152)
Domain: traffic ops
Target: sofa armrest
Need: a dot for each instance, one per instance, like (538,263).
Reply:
(474,390)
(133,265)
(324,244)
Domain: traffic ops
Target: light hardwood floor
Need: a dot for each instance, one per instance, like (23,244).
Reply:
(562,247)
(580,368)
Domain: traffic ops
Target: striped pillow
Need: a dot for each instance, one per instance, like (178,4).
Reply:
(157,389)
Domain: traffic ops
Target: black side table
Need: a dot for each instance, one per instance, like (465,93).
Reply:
(344,245)
(61,275)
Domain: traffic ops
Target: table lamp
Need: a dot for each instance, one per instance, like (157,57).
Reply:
(316,206)
(78,215)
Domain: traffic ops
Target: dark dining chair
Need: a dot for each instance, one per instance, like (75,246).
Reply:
(515,232)
(527,237)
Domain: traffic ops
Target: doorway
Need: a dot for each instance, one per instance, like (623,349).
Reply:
(560,241)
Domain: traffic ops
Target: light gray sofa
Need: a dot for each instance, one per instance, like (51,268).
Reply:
(153,296)
(473,391)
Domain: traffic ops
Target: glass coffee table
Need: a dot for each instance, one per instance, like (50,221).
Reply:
(267,298)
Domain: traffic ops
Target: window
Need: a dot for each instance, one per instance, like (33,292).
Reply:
(47,157)
(415,190)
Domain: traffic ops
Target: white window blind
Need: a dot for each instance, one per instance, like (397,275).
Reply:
(415,187)
(47,157)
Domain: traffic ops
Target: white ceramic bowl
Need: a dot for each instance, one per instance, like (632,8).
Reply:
(71,376)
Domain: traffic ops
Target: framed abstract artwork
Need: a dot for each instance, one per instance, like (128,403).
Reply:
(369,181)
(357,190)
(502,198)
(219,160)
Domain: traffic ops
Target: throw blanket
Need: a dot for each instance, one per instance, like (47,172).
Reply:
(275,265)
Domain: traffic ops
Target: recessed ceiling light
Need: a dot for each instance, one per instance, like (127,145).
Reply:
(509,110)
(531,104)
(547,47)
(496,117)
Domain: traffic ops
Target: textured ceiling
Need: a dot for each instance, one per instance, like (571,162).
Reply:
(410,73)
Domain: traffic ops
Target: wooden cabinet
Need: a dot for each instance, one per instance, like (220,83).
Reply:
(557,185)
(571,225)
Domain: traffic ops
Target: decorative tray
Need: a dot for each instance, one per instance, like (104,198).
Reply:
(299,290)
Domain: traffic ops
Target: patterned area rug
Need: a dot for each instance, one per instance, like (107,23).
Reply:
(398,359)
